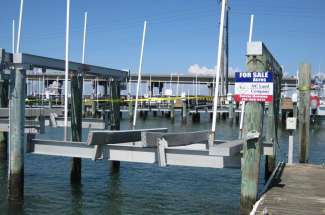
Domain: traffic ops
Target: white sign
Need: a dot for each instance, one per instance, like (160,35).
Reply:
(254,86)
(291,123)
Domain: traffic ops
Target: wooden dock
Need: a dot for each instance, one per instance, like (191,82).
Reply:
(299,190)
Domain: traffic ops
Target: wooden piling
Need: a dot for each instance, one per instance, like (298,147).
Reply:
(304,111)
(231,110)
(272,124)
(93,108)
(115,91)
(76,123)
(196,117)
(184,112)
(259,59)
(172,111)
(253,123)
(4,84)
(17,124)
(130,110)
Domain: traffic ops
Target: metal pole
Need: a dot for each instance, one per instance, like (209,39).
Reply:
(66,65)
(84,47)
(84,38)
(216,92)
(20,24)
(13,36)
(139,75)
(251,29)
(290,148)
(242,112)
(227,50)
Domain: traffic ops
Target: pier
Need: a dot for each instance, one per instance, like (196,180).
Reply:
(296,189)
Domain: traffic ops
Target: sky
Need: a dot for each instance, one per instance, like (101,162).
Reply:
(182,35)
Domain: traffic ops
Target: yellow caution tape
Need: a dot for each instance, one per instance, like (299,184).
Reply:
(209,98)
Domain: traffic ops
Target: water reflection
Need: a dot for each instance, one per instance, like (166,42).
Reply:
(76,198)
(115,198)
(15,207)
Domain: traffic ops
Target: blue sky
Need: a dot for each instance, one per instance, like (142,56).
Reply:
(180,33)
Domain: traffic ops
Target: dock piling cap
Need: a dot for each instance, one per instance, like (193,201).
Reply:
(252,135)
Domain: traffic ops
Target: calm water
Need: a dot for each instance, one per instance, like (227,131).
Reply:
(137,188)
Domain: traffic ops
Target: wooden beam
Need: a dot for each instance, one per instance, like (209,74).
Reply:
(304,111)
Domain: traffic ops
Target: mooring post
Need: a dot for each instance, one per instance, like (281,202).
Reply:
(76,122)
(184,112)
(3,103)
(115,92)
(130,108)
(4,84)
(304,111)
(94,100)
(172,110)
(17,137)
(252,133)
(231,110)
(272,124)
(105,106)
(259,59)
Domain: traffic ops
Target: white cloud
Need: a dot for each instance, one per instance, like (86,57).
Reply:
(196,69)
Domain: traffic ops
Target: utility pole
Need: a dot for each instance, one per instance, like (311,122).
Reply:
(226,47)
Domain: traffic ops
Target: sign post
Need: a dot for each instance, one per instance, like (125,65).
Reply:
(291,125)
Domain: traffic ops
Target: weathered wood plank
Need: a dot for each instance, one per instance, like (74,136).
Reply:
(300,190)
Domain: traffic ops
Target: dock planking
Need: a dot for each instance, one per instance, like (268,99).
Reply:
(300,190)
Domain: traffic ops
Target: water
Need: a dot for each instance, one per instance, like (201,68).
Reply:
(137,188)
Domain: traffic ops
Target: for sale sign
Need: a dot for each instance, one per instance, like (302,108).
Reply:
(254,86)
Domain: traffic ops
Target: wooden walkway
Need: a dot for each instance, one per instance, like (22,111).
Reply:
(300,190)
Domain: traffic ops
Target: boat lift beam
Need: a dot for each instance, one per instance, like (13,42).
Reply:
(152,146)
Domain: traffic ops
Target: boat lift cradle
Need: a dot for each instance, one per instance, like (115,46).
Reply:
(147,146)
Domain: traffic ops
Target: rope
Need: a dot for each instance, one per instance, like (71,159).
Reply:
(304,88)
